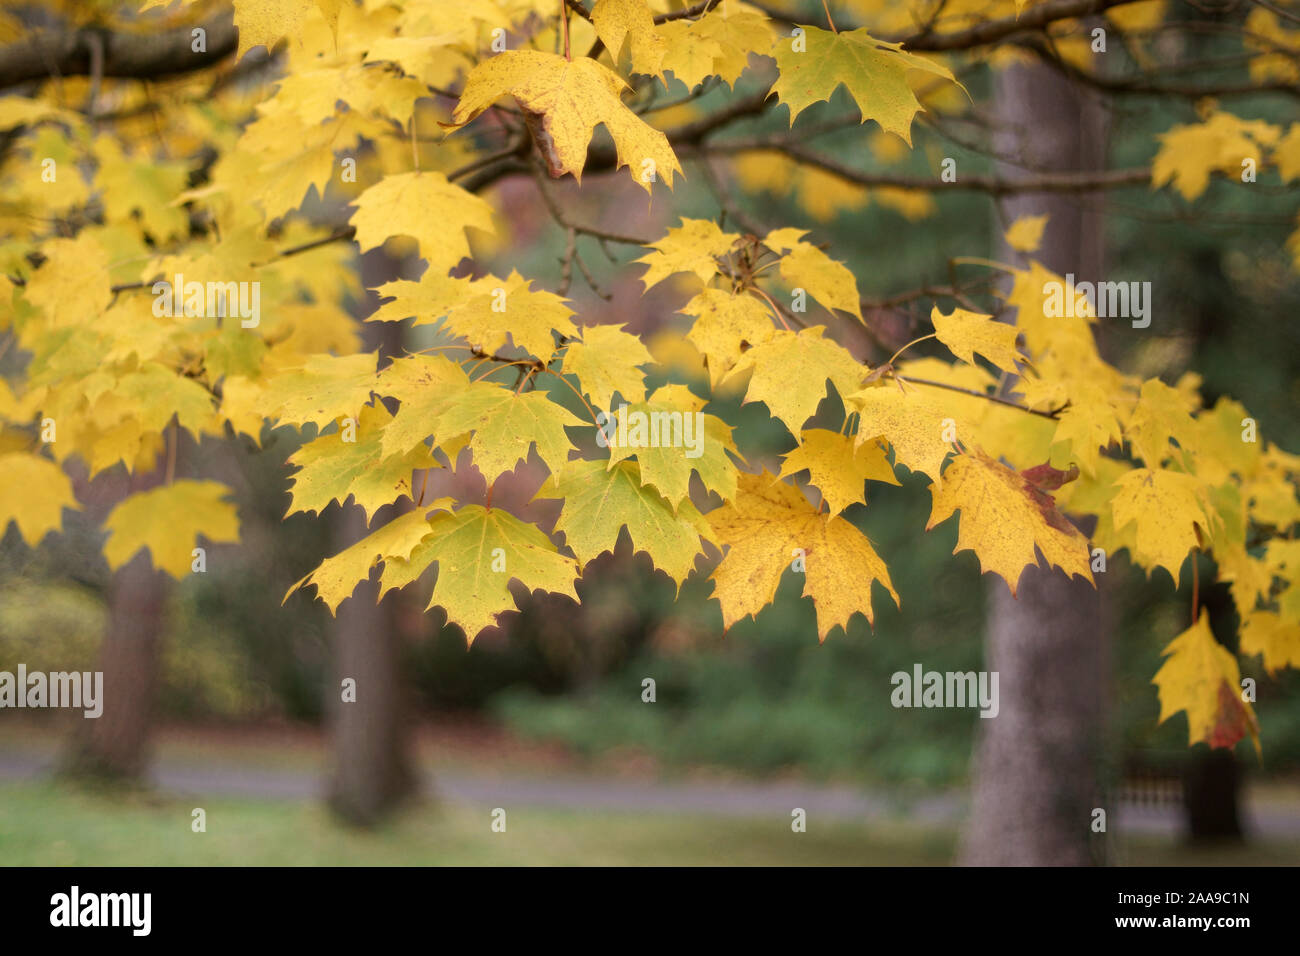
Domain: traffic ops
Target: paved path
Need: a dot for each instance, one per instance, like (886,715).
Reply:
(636,796)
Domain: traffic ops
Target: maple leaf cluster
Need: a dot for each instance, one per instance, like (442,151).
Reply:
(1022,433)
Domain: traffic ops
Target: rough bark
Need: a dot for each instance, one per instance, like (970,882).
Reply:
(1037,763)
(1036,774)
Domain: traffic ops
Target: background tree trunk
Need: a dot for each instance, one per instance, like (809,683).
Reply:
(372,770)
(1036,774)
(115,744)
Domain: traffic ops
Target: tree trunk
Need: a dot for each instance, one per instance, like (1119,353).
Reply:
(1036,772)
(115,745)
(1212,778)
(373,771)
(1035,780)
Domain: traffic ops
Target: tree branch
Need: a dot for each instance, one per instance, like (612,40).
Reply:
(1047,182)
(982,34)
(138,55)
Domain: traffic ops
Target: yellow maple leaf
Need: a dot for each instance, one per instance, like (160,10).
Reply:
(726,325)
(770,528)
(33,493)
(243,406)
(1272,636)
(425,206)
(494,309)
(1200,676)
(167,520)
(717,44)
(790,371)
(1026,233)
(1190,152)
(423,384)
(838,466)
(267,22)
(73,282)
(1160,420)
(681,439)
(695,246)
(631,22)
(1169,511)
(156,393)
(967,332)
(1088,423)
(504,424)
(805,266)
(1286,154)
(567,99)
(1004,516)
(919,425)
(22,111)
(606,361)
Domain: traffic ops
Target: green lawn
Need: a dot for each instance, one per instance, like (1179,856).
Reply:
(51,824)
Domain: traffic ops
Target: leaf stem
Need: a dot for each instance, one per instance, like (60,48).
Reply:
(977,261)
(591,411)
(1196,584)
(997,399)
(171,451)
(564,19)
(828,17)
(763,295)
(895,356)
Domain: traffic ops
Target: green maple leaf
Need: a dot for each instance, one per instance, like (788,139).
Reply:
(667,468)
(478,553)
(874,72)
(324,389)
(505,424)
(332,468)
(599,502)
(338,576)
(422,383)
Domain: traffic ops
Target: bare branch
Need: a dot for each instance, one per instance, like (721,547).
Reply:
(138,55)
(1047,182)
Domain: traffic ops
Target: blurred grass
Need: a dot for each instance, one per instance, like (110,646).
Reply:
(47,824)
